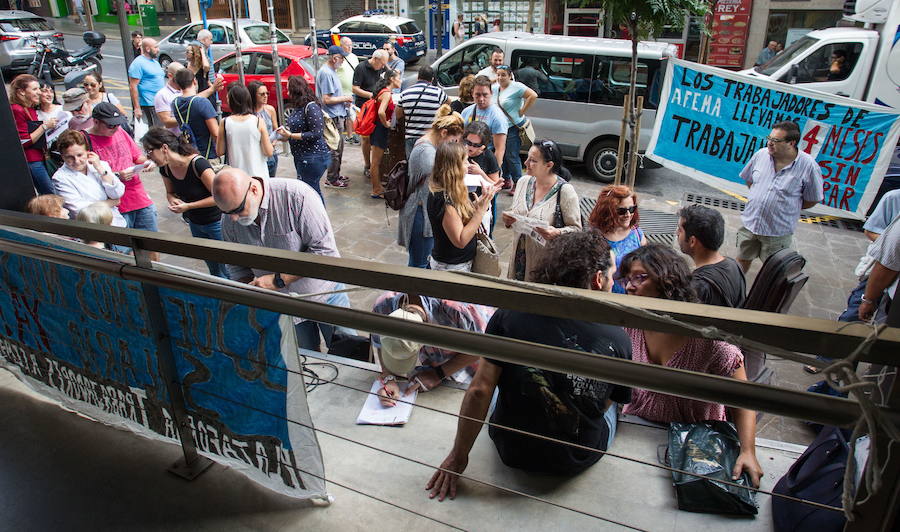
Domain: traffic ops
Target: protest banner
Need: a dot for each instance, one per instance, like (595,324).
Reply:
(84,339)
(711,121)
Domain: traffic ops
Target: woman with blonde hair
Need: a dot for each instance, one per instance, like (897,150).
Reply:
(455,216)
(415,232)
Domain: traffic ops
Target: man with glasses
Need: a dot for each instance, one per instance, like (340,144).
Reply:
(484,110)
(782,181)
(281,214)
(113,145)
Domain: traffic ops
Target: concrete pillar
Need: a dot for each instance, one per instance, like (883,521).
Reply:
(194,11)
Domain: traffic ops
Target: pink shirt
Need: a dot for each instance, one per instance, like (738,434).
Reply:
(121,152)
(698,354)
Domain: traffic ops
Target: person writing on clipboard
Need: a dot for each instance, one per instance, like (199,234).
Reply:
(424,367)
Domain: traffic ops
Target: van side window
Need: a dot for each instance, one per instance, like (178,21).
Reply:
(463,61)
(555,75)
(612,76)
(832,62)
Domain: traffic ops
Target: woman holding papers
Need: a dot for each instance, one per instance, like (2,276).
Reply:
(545,206)
(455,216)
(24,98)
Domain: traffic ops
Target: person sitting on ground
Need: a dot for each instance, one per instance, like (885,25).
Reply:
(543,195)
(566,407)
(716,279)
(414,230)
(51,205)
(656,270)
(617,218)
(195,111)
(425,366)
(455,216)
(96,213)
(84,178)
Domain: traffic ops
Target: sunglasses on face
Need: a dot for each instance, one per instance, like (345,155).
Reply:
(474,144)
(622,211)
(635,280)
(240,207)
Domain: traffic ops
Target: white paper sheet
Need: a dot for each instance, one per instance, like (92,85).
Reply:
(374,414)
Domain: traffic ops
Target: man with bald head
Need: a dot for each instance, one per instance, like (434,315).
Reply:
(162,102)
(145,79)
(282,214)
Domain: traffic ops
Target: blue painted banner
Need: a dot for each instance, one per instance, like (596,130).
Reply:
(84,338)
(711,121)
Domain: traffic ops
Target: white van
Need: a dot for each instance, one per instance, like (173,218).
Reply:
(581,84)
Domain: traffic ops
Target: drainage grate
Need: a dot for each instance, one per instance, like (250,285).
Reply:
(831,221)
(658,226)
(720,202)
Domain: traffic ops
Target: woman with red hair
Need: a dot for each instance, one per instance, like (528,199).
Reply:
(616,217)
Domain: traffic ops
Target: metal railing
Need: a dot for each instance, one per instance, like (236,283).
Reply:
(791,333)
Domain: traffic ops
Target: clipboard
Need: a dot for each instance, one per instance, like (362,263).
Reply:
(41,143)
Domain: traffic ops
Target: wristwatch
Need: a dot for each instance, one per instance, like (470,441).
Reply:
(278,281)
(863,299)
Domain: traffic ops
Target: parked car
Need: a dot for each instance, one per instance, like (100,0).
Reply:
(19,31)
(371,30)
(581,84)
(253,33)
(295,59)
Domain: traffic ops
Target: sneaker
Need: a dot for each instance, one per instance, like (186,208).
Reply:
(355,139)
(337,183)
(367,174)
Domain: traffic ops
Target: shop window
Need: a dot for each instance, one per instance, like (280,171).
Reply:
(560,76)
(468,60)
(825,64)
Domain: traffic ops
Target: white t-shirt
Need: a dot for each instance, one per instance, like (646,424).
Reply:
(163,102)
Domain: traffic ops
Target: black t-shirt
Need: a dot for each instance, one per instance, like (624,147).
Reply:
(487,161)
(458,105)
(191,189)
(365,77)
(444,250)
(561,406)
(720,284)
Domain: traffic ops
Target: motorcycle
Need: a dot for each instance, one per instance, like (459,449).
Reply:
(52,61)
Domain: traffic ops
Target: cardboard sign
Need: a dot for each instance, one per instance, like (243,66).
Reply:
(711,121)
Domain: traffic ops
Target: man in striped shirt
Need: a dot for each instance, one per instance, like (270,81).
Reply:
(782,181)
(419,104)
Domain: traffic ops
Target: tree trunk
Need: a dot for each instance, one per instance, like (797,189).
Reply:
(632,90)
(528,25)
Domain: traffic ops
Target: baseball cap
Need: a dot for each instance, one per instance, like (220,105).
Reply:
(109,114)
(74,98)
(335,49)
(399,355)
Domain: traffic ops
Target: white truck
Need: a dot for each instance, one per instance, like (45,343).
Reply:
(871,66)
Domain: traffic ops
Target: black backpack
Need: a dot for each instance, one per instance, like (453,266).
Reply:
(398,188)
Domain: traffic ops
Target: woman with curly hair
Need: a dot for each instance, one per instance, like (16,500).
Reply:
(305,129)
(466,86)
(659,271)
(616,217)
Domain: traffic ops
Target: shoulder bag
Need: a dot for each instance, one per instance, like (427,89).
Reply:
(487,258)
(526,130)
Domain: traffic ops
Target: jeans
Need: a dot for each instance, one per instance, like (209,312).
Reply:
(40,178)
(212,231)
(853,302)
(272,165)
(142,218)
(611,416)
(150,116)
(512,163)
(308,331)
(310,169)
(419,245)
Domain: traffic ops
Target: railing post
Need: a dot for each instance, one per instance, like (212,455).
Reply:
(192,464)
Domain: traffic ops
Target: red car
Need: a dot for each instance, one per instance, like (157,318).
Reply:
(296,60)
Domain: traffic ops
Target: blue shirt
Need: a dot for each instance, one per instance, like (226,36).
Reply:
(511,98)
(776,198)
(887,209)
(492,116)
(200,111)
(151,78)
(327,82)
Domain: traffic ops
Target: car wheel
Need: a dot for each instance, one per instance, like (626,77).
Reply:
(601,160)
(164,61)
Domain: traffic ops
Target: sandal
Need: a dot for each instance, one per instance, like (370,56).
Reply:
(376,196)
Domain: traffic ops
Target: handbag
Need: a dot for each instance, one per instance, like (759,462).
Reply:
(140,129)
(487,258)
(332,135)
(818,476)
(526,130)
(710,449)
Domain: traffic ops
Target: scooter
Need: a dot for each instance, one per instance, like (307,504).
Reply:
(51,61)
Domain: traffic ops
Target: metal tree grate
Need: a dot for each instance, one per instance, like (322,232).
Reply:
(658,226)
(719,202)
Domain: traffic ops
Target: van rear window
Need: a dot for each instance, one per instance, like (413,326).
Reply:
(25,24)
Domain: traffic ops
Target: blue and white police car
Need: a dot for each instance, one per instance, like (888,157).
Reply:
(371,30)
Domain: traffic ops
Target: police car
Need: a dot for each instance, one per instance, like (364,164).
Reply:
(371,30)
